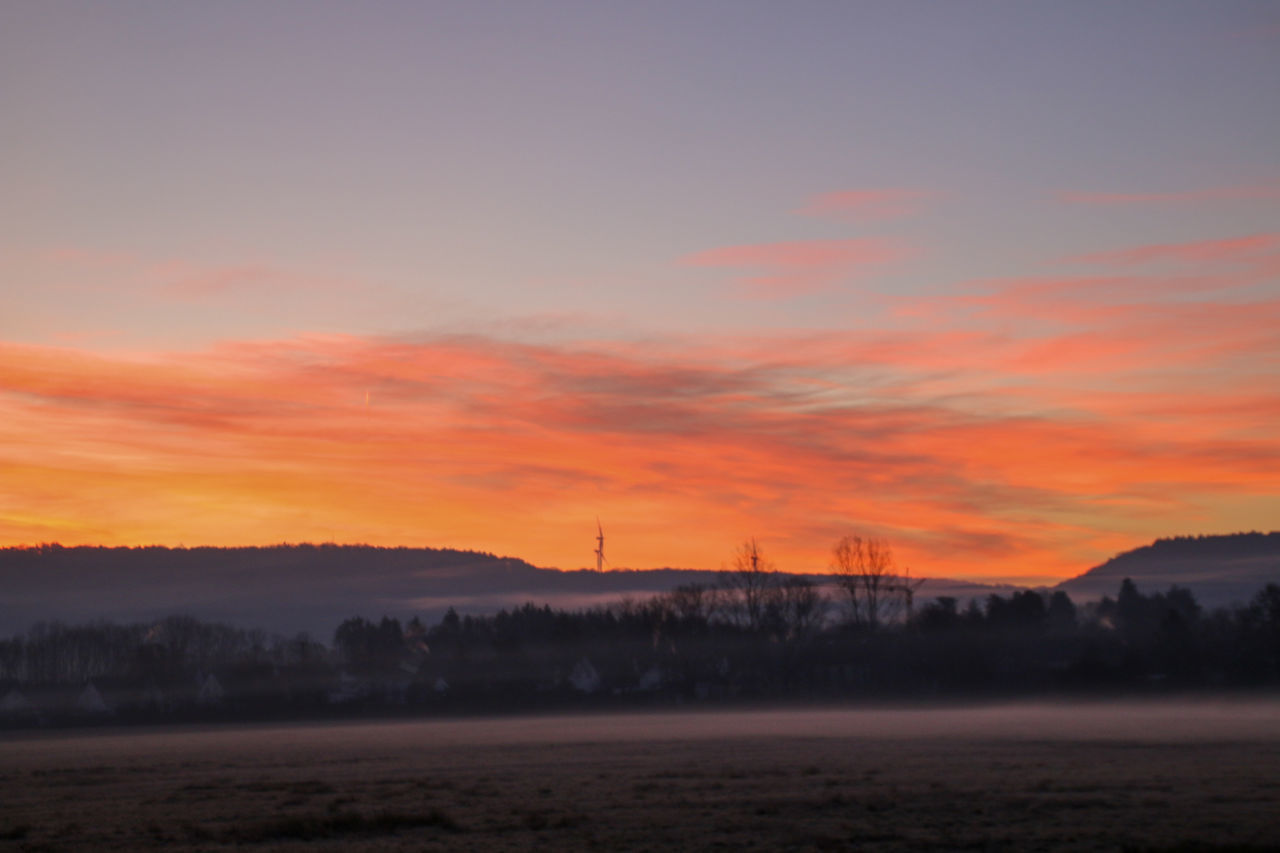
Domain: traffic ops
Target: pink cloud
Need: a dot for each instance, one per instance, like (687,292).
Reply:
(1264,191)
(1159,316)
(1246,250)
(875,205)
(1156,280)
(797,268)
(188,280)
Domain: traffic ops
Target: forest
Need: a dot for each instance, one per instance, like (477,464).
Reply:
(759,635)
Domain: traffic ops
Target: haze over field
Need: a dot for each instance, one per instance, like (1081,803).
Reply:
(1166,722)
(1133,776)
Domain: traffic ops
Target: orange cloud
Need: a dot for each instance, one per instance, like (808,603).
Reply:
(803,267)
(505,446)
(1029,428)
(868,205)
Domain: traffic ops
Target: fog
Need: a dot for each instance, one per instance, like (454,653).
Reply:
(1136,722)
(1190,775)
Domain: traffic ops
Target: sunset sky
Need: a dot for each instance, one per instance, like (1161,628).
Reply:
(996,282)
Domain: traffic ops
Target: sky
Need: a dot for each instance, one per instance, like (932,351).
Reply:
(998,283)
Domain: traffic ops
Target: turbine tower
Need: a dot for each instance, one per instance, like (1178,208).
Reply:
(907,585)
(599,547)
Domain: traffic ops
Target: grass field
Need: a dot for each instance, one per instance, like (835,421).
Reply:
(1085,777)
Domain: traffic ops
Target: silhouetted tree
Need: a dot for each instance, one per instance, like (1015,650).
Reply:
(796,606)
(1061,611)
(368,646)
(868,574)
(1021,610)
(750,582)
(939,615)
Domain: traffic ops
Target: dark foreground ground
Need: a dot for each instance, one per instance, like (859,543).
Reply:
(1141,777)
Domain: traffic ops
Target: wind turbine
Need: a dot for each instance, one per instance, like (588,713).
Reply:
(600,561)
(907,586)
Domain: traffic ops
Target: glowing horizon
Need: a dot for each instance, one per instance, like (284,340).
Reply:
(974,451)
(359,286)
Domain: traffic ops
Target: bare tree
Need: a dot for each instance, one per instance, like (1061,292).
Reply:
(868,573)
(692,603)
(750,581)
(800,606)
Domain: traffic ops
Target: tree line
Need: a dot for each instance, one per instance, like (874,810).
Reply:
(758,634)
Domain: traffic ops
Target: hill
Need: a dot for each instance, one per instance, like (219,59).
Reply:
(290,588)
(1219,570)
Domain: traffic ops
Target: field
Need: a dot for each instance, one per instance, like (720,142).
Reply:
(1084,777)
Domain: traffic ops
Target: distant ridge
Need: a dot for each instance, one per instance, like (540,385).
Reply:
(1219,570)
(283,588)
(288,588)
